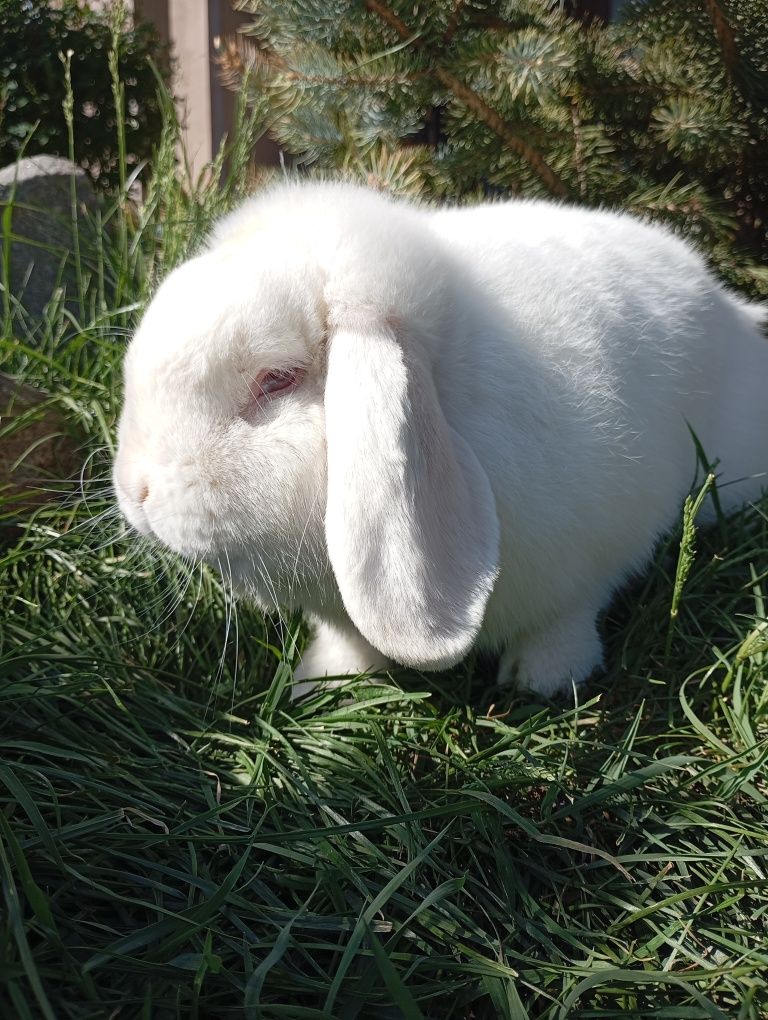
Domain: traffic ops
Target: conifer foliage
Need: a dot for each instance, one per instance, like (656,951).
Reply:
(665,112)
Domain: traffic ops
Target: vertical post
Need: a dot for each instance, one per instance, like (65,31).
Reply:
(190,35)
(206,107)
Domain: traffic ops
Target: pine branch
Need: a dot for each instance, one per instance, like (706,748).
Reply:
(478,106)
(391,18)
(497,124)
(453,23)
(578,149)
(235,57)
(724,36)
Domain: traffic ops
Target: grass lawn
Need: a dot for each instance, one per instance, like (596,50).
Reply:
(179,840)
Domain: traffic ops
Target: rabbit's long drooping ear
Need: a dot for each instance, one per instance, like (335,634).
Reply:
(411,522)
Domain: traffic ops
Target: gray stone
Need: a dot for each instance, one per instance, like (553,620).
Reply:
(41,242)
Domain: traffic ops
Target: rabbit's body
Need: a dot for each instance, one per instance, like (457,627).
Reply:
(603,378)
(491,429)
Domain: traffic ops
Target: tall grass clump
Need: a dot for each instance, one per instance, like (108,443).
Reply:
(179,839)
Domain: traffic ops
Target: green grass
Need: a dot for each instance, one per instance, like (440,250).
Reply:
(179,840)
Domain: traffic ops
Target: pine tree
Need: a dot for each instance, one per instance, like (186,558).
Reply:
(665,113)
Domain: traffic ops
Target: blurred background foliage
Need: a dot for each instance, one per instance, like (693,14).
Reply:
(664,113)
(35,36)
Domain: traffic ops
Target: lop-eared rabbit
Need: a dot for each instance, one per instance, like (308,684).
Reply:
(436,428)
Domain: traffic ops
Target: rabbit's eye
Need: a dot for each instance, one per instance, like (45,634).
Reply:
(273,381)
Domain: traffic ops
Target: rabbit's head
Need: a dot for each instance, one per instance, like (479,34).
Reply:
(281,420)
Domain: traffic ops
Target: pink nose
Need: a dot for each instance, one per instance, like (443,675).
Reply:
(135,488)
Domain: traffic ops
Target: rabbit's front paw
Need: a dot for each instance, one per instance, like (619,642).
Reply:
(334,652)
(552,660)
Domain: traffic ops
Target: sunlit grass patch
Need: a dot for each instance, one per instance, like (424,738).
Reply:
(180,837)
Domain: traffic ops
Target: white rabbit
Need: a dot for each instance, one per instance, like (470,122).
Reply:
(434,429)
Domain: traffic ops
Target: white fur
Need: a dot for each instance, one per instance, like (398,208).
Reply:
(491,433)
